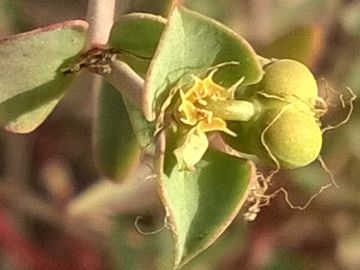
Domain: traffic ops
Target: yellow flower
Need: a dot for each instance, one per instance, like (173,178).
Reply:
(191,111)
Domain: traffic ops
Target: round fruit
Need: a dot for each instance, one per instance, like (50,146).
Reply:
(285,131)
(290,80)
(294,138)
(285,136)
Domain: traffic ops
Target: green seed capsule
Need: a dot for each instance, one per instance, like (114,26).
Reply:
(288,137)
(294,138)
(290,80)
(286,132)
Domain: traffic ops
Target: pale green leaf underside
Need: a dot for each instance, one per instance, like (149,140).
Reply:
(137,34)
(31,82)
(192,43)
(201,203)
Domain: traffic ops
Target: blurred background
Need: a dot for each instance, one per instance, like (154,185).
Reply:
(58,212)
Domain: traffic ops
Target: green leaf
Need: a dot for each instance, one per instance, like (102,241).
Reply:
(191,44)
(302,44)
(138,34)
(31,82)
(200,204)
(215,255)
(116,145)
(160,7)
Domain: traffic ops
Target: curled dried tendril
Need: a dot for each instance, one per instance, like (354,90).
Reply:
(156,231)
(318,109)
(329,95)
(192,113)
(258,198)
(343,106)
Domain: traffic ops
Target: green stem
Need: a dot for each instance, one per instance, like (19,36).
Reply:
(233,110)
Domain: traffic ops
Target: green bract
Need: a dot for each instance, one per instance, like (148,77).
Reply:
(286,131)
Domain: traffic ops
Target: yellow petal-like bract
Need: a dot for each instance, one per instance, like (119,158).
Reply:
(191,111)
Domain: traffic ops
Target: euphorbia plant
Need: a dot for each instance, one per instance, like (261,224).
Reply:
(179,81)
